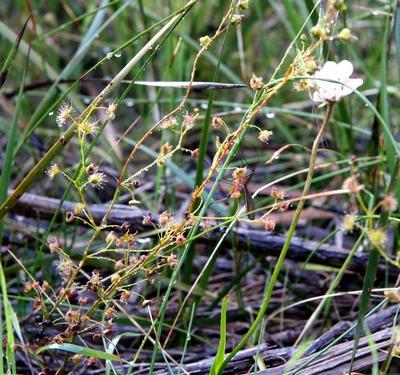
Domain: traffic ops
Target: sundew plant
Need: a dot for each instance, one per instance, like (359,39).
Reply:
(199,187)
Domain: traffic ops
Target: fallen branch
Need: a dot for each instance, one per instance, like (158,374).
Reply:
(260,243)
(334,361)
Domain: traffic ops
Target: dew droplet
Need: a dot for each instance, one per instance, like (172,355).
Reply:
(129,102)
(109,55)
(270,115)
(51,113)
(117,54)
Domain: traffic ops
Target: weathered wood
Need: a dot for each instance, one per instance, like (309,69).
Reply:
(260,243)
(32,205)
(337,359)
(334,361)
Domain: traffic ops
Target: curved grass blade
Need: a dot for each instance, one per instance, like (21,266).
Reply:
(219,357)
(9,313)
(12,54)
(87,352)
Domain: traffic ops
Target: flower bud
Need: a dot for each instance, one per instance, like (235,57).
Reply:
(318,32)
(243,4)
(256,83)
(340,5)
(205,41)
(345,35)
(237,19)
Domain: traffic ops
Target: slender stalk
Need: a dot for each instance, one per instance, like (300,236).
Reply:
(68,135)
(282,257)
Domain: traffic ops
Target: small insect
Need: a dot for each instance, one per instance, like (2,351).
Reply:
(241,177)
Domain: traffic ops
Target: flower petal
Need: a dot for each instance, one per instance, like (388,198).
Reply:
(317,98)
(345,69)
(355,82)
(328,70)
(331,91)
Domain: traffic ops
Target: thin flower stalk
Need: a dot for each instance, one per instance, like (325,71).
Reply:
(70,132)
(289,236)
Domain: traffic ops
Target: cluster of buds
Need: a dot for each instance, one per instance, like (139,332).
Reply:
(165,150)
(217,122)
(169,123)
(110,111)
(73,316)
(172,261)
(269,224)
(65,267)
(277,193)
(180,239)
(94,284)
(125,296)
(127,240)
(389,203)
(166,219)
(351,184)
(256,83)
(189,118)
(110,312)
(64,114)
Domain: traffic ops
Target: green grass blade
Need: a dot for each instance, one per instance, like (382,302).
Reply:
(10,355)
(9,314)
(369,279)
(11,56)
(219,357)
(87,352)
(396,31)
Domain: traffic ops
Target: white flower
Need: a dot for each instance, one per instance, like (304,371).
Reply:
(330,91)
